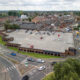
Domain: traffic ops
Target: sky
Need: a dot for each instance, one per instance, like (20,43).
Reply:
(40,5)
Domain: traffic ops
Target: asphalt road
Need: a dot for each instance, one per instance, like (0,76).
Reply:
(36,75)
(11,69)
(7,52)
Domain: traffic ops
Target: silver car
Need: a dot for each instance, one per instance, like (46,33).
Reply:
(40,61)
(41,68)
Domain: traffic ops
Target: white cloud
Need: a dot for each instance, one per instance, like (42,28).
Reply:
(39,5)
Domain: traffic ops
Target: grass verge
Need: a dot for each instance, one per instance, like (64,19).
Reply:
(50,76)
(37,55)
(1,41)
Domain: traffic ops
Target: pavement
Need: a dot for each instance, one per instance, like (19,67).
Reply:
(11,69)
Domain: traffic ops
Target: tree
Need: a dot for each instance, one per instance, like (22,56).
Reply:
(15,26)
(6,26)
(30,19)
(68,70)
(77,13)
(13,13)
(77,28)
(11,26)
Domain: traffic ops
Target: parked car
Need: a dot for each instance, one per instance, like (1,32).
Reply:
(40,61)
(13,54)
(25,77)
(41,68)
(53,63)
(31,59)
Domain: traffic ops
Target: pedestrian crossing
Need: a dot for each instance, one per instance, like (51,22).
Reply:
(10,68)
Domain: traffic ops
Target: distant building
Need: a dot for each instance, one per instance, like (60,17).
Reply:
(39,19)
(23,17)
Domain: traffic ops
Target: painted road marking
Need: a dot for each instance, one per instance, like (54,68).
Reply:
(11,68)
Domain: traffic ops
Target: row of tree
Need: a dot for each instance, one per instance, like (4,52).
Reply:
(15,13)
(77,13)
(3,15)
(11,26)
(77,28)
(68,70)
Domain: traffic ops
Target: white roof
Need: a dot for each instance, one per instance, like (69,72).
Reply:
(23,17)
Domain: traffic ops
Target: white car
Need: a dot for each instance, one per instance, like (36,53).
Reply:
(40,61)
(41,68)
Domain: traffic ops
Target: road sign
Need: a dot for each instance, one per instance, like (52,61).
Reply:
(26,63)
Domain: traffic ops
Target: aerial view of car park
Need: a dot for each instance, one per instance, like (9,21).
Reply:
(39,40)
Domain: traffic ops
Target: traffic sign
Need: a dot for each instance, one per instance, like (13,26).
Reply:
(26,63)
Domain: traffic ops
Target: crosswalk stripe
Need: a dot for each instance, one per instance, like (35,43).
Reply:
(7,69)
(11,68)
(14,66)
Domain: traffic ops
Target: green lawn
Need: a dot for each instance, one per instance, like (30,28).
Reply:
(2,42)
(13,48)
(37,55)
(50,76)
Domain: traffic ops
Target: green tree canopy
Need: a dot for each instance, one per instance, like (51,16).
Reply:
(11,26)
(14,13)
(68,70)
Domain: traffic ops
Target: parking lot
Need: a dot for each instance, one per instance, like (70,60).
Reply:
(43,40)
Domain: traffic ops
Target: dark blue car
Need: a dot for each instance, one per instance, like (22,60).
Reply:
(25,78)
(13,54)
(31,59)
(53,63)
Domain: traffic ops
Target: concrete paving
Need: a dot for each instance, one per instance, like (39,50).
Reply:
(52,41)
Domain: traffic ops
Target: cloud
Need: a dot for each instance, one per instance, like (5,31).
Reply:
(39,5)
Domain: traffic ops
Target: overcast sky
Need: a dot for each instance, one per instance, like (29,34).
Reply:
(39,5)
